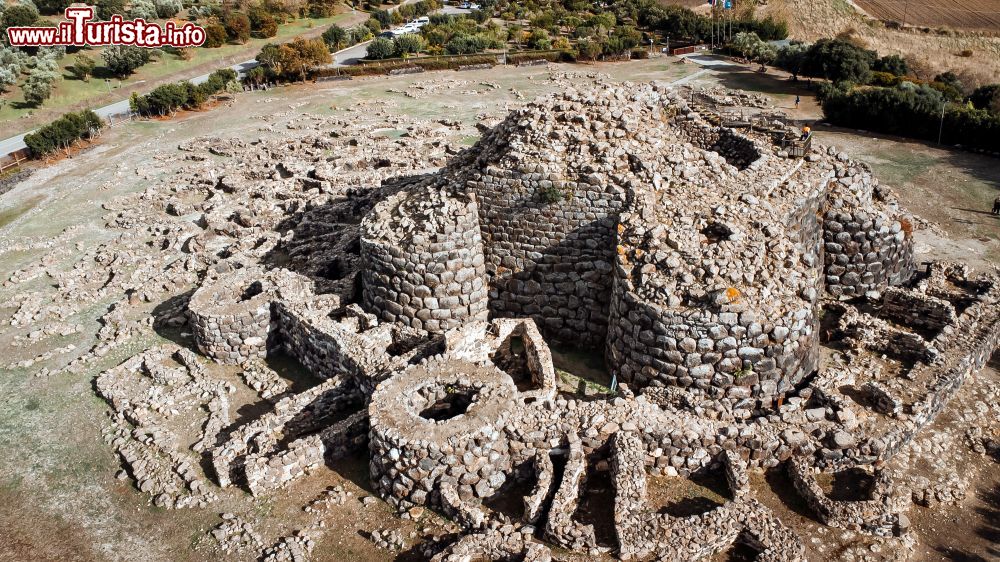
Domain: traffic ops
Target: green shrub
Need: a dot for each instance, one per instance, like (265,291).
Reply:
(62,132)
(913,111)
(408,44)
(215,36)
(380,48)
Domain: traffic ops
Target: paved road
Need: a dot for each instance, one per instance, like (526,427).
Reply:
(341,58)
(352,55)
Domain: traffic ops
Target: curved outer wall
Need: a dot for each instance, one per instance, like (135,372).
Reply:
(434,283)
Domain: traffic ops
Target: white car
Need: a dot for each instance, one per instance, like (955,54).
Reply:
(420,22)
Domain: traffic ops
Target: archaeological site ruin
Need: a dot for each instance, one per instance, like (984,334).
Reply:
(755,309)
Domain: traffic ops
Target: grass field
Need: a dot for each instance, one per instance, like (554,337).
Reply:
(70,94)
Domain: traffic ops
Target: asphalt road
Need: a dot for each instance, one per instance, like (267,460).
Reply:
(345,57)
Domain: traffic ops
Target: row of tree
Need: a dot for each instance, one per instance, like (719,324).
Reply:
(62,133)
(288,61)
(168,98)
(912,110)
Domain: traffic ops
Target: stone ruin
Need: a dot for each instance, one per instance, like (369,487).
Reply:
(755,309)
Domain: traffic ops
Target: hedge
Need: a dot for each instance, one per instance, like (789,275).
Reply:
(62,132)
(442,62)
(912,111)
(168,98)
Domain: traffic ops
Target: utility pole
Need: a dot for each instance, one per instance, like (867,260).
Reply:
(906,5)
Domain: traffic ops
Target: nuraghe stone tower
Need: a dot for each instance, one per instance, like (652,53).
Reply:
(699,259)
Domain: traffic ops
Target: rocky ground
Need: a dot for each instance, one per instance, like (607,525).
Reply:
(94,266)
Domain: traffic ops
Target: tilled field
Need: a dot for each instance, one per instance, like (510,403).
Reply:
(972,15)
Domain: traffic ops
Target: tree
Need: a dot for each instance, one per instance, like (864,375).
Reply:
(893,64)
(62,132)
(294,60)
(238,26)
(38,87)
(335,37)
(539,39)
(52,7)
(123,60)
(107,8)
(82,67)
(752,47)
(791,57)
(682,23)
(19,15)
(408,44)
(380,48)
(144,9)
(12,63)
(215,36)
(589,49)
(168,8)
(838,61)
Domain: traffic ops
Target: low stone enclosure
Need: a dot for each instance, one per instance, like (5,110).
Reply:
(699,258)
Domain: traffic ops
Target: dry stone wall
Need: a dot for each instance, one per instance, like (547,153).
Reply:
(423,261)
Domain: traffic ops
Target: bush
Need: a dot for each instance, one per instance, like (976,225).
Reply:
(52,7)
(124,60)
(408,44)
(108,8)
(893,64)
(144,9)
(238,27)
(380,48)
(38,87)
(169,98)
(986,97)
(62,132)
(82,67)
(322,8)
(911,110)
(168,8)
(215,36)
(335,37)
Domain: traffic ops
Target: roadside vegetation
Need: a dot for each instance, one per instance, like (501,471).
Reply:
(62,133)
(169,98)
(35,81)
(865,91)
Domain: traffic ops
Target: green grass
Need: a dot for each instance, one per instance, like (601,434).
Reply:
(899,167)
(68,93)
(8,216)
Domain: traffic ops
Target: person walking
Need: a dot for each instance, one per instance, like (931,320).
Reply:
(996,206)
(797,101)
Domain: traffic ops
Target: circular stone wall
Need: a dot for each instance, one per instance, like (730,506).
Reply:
(441,421)
(231,317)
(728,355)
(423,260)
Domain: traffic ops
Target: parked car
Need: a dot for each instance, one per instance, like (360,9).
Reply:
(387,34)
